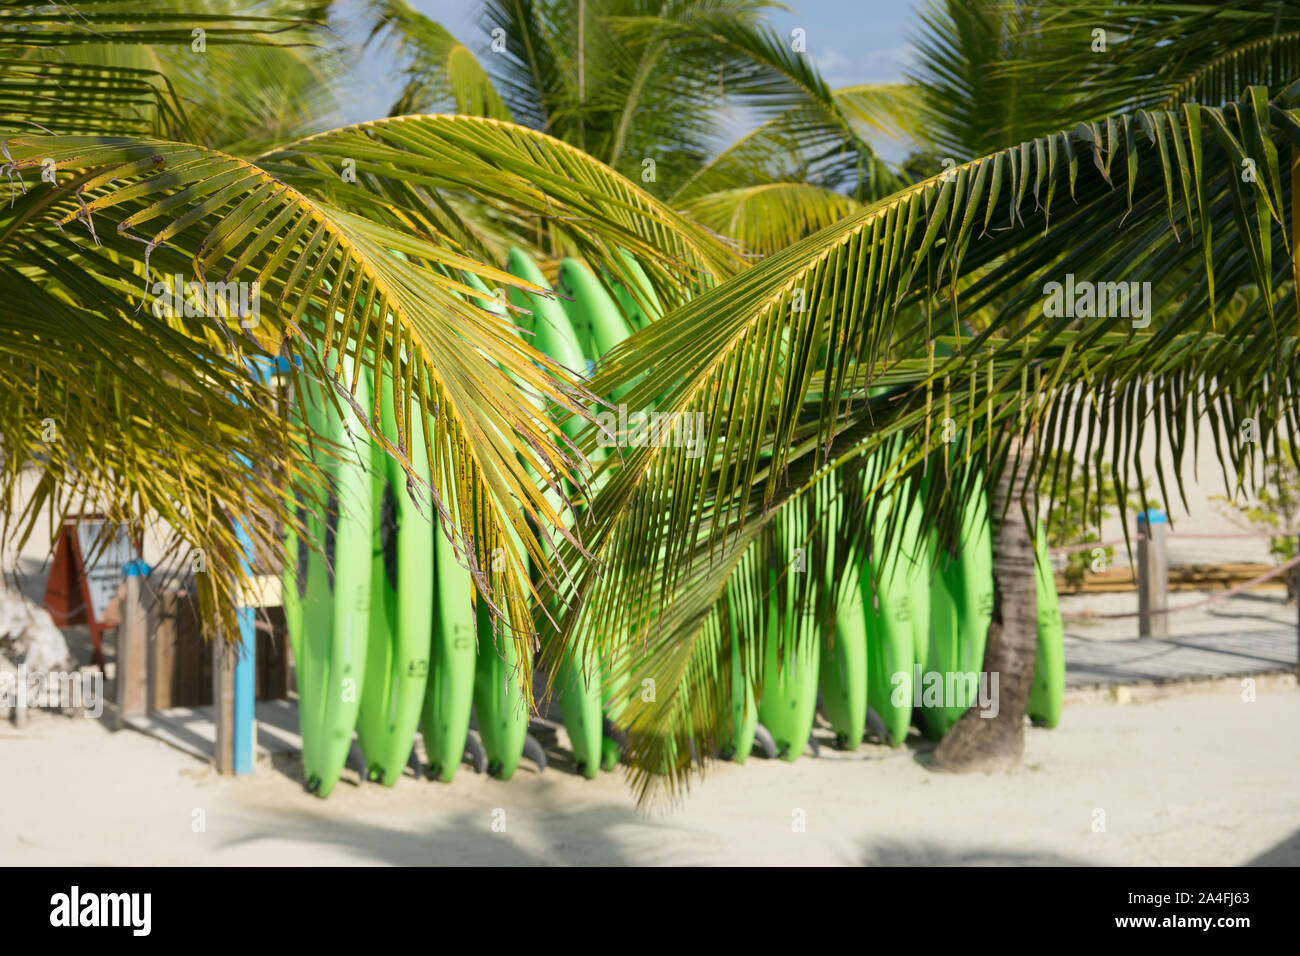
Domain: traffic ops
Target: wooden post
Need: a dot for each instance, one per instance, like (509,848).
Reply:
(223,705)
(132,649)
(162,651)
(1153,574)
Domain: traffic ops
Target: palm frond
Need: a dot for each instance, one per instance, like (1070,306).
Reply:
(409,165)
(114,67)
(805,144)
(440,71)
(777,360)
(766,218)
(333,284)
(1107,57)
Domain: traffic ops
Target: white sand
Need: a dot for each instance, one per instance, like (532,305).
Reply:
(1191,780)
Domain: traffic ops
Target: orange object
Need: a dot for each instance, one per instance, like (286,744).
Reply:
(86,575)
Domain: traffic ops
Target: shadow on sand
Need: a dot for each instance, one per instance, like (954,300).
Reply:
(583,837)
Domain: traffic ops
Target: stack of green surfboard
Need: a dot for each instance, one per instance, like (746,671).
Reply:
(388,638)
(327,588)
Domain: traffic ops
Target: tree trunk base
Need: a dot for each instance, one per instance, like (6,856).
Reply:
(978,744)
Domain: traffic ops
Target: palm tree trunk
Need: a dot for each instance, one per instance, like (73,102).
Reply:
(979,743)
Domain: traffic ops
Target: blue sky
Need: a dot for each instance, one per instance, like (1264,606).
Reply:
(854,41)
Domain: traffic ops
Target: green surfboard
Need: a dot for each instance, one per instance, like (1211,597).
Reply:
(450,691)
(333,582)
(790,674)
(887,593)
(449,695)
(597,326)
(1048,692)
(598,323)
(500,711)
(843,678)
(401,606)
(740,723)
(961,606)
(638,316)
(578,694)
(499,707)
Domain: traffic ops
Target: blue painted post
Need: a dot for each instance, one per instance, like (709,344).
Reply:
(245,727)
(133,646)
(1153,574)
(244,732)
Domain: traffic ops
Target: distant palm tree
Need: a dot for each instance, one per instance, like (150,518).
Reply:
(645,87)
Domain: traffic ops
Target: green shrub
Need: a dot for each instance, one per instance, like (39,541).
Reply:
(1072,521)
(1276,505)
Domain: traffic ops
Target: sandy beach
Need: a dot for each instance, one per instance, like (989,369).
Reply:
(1194,779)
(1198,778)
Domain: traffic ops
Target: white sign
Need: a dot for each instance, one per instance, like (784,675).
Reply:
(104,561)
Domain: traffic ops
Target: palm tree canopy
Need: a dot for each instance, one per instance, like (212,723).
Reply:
(822,363)
(782,360)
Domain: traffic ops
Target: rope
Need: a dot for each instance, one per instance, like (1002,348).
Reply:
(1219,596)
(1289,532)
(1071,548)
(1087,546)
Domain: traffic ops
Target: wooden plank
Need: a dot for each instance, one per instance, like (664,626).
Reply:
(132,671)
(162,653)
(1188,577)
(207,673)
(277,656)
(263,591)
(188,651)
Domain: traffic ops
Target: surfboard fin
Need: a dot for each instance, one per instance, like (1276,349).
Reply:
(763,737)
(816,747)
(534,752)
(357,761)
(415,765)
(474,747)
(611,752)
(608,729)
(877,726)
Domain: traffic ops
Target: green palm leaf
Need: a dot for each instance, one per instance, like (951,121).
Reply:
(766,218)
(779,385)
(440,70)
